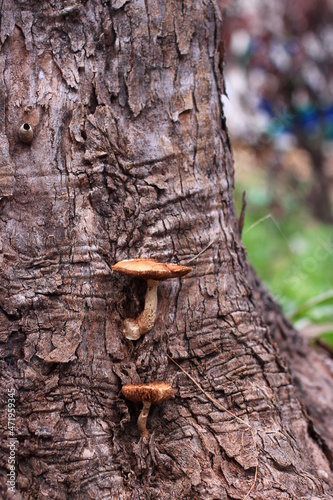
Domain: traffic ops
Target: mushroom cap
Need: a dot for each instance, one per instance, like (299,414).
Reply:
(154,393)
(150,269)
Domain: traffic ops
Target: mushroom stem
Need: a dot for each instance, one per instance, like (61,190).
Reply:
(134,328)
(142,419)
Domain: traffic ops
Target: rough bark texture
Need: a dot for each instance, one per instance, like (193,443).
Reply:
(311,370)
(130,158)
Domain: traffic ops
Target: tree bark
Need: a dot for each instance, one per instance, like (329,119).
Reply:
(131,158)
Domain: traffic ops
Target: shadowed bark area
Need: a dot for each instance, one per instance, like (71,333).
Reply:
(311,370)
(129,159)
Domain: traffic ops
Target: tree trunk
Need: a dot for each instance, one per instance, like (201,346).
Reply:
(130,158)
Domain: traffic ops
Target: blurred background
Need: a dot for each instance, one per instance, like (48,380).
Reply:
(279,108)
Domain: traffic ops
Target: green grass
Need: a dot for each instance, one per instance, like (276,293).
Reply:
(292,252)
(328,339)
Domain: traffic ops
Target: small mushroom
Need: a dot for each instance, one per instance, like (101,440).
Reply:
(26,133)
(152,394)
(153,272)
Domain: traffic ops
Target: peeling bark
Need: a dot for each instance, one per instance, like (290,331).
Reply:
(130,158)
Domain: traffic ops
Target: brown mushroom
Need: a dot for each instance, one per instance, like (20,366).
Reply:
(152,394)
(153,272)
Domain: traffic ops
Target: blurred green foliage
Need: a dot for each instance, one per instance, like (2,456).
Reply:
(292,252)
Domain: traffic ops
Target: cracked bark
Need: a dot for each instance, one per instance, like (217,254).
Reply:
(130,158)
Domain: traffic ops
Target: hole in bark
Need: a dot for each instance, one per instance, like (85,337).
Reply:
(132,299)
(93,103)
(26,126)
